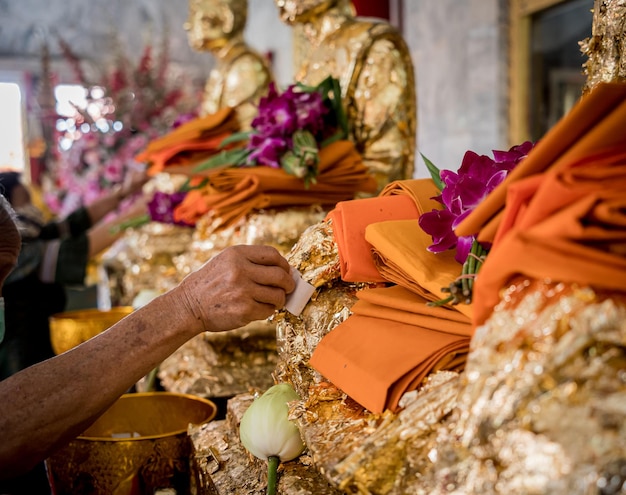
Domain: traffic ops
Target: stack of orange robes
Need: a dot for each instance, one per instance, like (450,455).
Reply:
(190,143)
(233,192)
(561,214)
(398,201)
(393,338)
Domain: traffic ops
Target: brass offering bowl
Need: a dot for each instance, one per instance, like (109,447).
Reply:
(138,446)
(71,328)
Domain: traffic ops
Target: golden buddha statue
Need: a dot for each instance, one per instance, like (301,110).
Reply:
(241,75)
(373,64)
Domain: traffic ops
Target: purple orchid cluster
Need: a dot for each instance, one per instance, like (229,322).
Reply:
(161,207)
(280,116)
(288,131)
(462,191)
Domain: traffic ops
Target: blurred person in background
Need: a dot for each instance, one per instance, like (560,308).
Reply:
(53,255)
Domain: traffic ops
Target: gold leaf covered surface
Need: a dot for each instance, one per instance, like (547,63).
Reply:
(539,408)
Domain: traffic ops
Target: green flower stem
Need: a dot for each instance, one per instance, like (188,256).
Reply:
(471,268)
(131,223)
(477,257)
(473,262)
(465,288)
(272,474)
(441,302)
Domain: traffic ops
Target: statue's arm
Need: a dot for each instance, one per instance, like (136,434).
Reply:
(384,110)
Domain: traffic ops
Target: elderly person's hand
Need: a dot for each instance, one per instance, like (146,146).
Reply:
(239,285)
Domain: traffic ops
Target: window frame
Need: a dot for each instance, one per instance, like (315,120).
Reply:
(520,13)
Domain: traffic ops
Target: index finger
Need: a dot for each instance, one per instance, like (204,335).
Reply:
(266,255)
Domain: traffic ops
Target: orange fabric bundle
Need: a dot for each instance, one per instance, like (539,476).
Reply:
(421,191)
(190,143)
(400,200)
(396,303)
(558,213)
(597,121)
(390,343)
(401,255)
(393,339)
(349,219)
(231,193)
(568,225)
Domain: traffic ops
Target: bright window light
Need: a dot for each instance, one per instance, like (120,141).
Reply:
(11,136)
(69,97)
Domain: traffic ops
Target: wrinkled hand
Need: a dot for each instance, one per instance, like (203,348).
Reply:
(239,285)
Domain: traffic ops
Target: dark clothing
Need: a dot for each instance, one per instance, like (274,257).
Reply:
(35,289)
(52,255)
(35,482)
(29,302)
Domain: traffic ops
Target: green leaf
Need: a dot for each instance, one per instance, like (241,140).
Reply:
(131,223)
(435,173)
(330,89)
(186,187)
(334,96)
(235,137)
(338,136)
(235,156)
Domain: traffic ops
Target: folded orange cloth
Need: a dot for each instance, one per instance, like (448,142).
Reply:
(231,193)
(401,255)
(349,219)
(421,191)
(393,339)
(396,303)
(567,225)
(597,121)
(375,361)
(399,200)
(191,142)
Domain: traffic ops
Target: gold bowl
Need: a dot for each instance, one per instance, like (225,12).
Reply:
(138,446)
(71,328)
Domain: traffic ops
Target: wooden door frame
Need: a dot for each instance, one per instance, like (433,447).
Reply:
(520,12)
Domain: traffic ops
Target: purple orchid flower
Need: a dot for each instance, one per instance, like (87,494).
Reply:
(267,150)
(161,207)
(477,176)
(279,117)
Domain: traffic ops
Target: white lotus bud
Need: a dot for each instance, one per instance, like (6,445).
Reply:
(265,430)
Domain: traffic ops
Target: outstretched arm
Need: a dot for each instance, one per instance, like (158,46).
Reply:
(47,405)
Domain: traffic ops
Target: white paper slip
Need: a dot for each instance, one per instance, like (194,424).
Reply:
(297,300)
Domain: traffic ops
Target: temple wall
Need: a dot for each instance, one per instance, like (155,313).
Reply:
(459,52)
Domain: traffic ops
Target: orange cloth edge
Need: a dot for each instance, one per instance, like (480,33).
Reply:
(585,114)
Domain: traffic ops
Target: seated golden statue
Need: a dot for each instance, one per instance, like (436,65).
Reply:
(372,61)
(241,75)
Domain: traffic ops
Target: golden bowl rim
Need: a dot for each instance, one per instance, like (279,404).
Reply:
(169,434)
(91,312)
